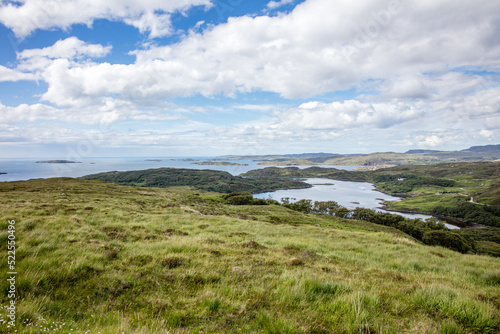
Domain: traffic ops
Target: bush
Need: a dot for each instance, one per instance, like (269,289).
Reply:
(470,212)
(246,198)
(240,200)
(447,239)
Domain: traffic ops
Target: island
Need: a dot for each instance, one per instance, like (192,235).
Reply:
(2,173)
(57,162)
(207,180)
(218,163)
(155,160)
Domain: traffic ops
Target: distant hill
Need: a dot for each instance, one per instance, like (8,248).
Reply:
(411,157)
(281,157)
(421,151)
(495,149)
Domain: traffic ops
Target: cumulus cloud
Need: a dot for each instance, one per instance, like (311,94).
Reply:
(321,46)
(148,15)
(346,115)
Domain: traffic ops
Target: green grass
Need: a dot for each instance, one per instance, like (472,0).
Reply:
(97,257)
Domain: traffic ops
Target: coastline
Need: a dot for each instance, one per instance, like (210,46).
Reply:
(461,223)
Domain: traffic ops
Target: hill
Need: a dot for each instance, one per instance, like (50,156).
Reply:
(295,162)
(411,157)
(280,157)
(209,180)
(96,257)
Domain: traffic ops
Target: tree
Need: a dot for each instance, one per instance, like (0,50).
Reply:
(328,207)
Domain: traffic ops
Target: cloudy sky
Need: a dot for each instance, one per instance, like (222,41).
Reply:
(208,77)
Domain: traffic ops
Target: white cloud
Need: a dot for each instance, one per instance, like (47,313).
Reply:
(69,48)
(431,141)
(7,74)
(255,107)
(157,24)
(347,115)
(108,111)
(298,55)
(276,4)
(147,15)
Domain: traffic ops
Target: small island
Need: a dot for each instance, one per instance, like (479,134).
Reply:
(218,163)
(2,173)
(156,160)
(57,162)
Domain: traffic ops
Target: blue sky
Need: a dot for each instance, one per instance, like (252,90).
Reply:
(85,78)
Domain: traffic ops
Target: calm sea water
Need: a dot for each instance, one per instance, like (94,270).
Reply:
(348,194)
(25,169)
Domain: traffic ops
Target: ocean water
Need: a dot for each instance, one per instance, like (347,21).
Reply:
(26,169)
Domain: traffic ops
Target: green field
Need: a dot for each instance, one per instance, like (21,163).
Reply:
(95,257)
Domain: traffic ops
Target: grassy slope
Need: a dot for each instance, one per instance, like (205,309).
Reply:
(97,257)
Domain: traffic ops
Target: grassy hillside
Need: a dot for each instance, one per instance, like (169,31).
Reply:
(209,180)
(95,257)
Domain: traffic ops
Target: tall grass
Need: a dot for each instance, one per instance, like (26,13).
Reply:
(149,261)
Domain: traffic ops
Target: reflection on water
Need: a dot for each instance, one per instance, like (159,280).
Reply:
(347,194)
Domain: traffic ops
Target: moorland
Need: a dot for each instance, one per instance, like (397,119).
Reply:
(98,257)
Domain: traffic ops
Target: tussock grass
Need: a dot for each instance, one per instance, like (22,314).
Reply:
(113,259)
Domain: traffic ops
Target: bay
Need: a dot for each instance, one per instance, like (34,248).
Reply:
(346,193)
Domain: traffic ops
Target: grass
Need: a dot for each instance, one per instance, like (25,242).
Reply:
(94,257)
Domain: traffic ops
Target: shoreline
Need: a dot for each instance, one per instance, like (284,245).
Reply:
(458,222)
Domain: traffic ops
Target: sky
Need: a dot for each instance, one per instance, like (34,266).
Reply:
(93,78)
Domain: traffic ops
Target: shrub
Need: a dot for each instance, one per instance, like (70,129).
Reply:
(447,239)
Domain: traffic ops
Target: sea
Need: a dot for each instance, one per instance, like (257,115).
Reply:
(347,194)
